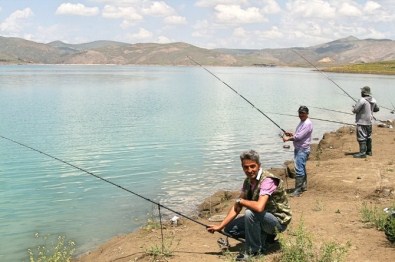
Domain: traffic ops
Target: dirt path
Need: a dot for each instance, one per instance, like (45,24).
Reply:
(339,185)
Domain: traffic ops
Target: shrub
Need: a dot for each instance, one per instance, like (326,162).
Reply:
(300,248)
(58,250)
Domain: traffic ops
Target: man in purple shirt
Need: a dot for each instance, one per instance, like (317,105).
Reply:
(301,140)
(267,213)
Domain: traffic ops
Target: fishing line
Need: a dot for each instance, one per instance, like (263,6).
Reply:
(330,79)
(337,111)
(314,118)
(333,81)
(119,186)
(245,99)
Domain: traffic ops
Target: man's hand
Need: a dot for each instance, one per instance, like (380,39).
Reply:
(213,228)
(287,138)
(288,134)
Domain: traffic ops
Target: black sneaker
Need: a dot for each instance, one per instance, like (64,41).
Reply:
(247,257)
(271,239)
(223,243)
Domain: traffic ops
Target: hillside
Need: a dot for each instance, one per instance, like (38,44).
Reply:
(339,52)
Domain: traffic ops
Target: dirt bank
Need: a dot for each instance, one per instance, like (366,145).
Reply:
(338,187)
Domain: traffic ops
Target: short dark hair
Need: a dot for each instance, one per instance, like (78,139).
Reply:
(303,109)
(250,155)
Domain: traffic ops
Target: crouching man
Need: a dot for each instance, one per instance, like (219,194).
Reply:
(267,210)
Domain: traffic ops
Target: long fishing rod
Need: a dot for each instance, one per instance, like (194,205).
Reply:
(245,99)
(330,79)
(114,184)
(337,111)
(314,118)
(333,81)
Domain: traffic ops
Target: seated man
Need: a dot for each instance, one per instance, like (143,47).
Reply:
(267,210)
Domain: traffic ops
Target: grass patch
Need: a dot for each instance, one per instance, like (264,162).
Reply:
(385,68)
(381,220)
(52,249)
(299,247)
(160,252)
(373,216)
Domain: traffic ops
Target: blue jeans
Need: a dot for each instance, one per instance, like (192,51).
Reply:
(254,228)
(300,158)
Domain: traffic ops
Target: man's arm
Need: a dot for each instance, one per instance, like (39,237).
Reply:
(268,186)
(358,106)
(232,214)
(256,206)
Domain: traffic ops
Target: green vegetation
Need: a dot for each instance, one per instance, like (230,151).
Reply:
(373,216)
(382,68)
(55,250)
(163,251)
(382,221)
(153,219)
(300,248)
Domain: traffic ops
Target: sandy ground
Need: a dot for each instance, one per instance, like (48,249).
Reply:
(338,186)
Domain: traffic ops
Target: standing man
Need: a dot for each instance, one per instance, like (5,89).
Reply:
(302,141)
(363,111)
(267,210)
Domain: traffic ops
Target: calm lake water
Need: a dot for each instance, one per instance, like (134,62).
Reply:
(171,134)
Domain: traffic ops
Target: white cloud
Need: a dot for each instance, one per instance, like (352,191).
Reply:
(271,7)
(158,9)
(118,2)
(164,40)
(126,13)
(212,3)
(347,9)
(272,33)
(16,21)
(76,9)
(311,8)
(235,14)
(175,20)
(202,28)
(239,32)
(142,34)
(371,6)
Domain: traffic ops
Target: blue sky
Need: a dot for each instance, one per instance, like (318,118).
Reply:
(249,24)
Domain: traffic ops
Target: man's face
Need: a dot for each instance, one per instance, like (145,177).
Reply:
(303,116)
(250,168)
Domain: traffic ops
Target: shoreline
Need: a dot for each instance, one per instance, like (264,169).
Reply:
(329,158)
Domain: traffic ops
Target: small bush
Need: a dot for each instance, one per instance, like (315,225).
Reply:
(389,226)
(58,250)
(383,221)
(373,216)
(159,252)
(300,248)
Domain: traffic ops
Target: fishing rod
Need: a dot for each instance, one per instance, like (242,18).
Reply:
(344,91)
(245,99)
(314,118)
(337,111)
(119,186)
(330,79)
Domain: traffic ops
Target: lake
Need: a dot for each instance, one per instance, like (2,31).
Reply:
(170,134)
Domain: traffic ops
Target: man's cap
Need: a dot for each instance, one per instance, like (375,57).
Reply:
(365,90)
(303,109)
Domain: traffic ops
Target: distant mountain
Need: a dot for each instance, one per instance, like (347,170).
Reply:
(339,52)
